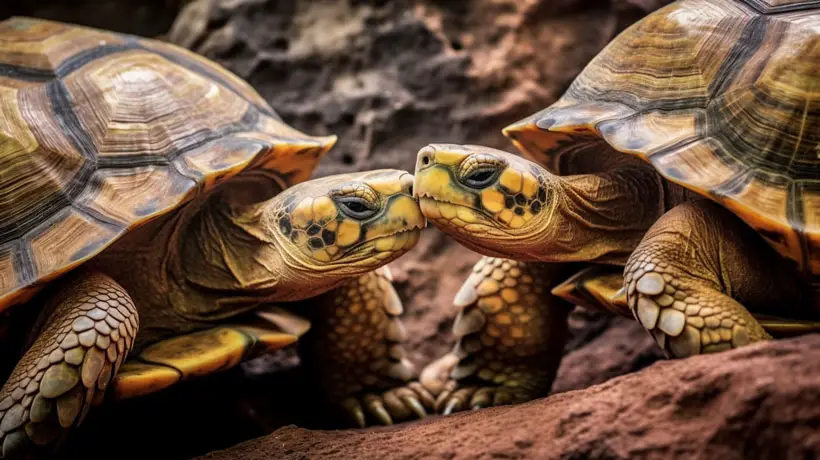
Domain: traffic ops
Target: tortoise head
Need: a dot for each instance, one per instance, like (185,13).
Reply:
(347,223)
(304,241)
(489,200)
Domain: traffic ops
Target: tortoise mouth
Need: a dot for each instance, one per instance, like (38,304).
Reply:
(431,208)
(389,244)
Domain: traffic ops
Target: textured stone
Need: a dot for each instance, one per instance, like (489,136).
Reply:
(756,402)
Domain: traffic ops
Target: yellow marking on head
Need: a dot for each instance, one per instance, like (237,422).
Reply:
(449,158)
(348,233)
(466,214)
(407,207)
(448,211)
(412,239)
(434,180)
(303,213)
(530,187)
(516,332)
(511,179)
(429,208)
(301,240)
(385,243)
(321,255)
(332,225)
(324,209)
(386,188)
(503,318)
(332,250)
(505,216)
(492,200)
(400,241)
(517,222)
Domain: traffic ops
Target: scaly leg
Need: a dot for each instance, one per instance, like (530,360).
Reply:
(89,329)
(356,352)
(511,333)
(692,274)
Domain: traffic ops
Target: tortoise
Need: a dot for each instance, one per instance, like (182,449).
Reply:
(688,153)
(158,224)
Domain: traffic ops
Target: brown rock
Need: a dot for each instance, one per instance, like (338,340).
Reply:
(622,346)
(760,401)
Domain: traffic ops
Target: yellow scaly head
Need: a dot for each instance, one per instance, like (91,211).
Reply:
(489,200)
(349,222)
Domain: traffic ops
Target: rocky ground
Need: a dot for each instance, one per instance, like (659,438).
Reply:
(758,402)
(389,77)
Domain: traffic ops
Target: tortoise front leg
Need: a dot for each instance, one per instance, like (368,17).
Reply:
(89,329)
(511,333)
(355,350)
(695,272)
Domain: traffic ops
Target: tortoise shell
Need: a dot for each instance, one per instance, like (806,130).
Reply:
(722,97)
(102,132)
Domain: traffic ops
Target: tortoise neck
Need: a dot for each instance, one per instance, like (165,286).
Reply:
(230,261)
(222,269)
(601,217)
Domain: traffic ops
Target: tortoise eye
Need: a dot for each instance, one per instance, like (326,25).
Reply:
(481,177)
(356,207)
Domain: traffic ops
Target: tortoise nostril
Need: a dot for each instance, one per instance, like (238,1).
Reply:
(410,190)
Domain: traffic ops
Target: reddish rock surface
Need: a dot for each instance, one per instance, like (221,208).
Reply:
(757,402)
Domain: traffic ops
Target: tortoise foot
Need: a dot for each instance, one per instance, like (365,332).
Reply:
(511,333)
(481,388)
(676,281)
(407,402)
(357,356)
(89,331)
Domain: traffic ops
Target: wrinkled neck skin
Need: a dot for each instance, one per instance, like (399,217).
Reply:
(597,217)
(230,262)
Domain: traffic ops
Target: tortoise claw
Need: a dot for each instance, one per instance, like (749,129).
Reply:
(453,405)
(415,406)
(399,404)
(376,407)
(355,411)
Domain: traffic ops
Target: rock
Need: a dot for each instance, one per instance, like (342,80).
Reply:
(622,346)
(760,401)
